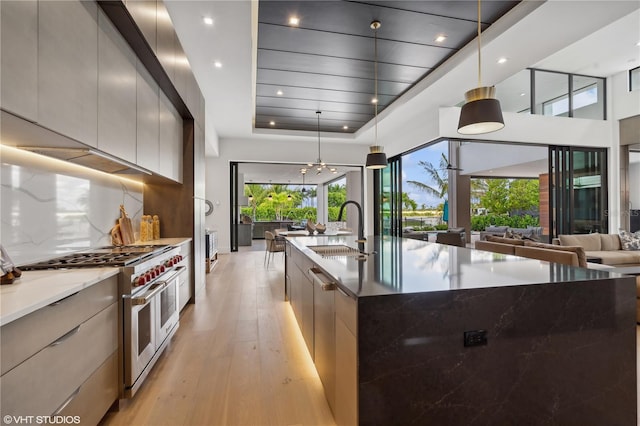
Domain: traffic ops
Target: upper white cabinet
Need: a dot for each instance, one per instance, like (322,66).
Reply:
(68,68)
(170,140)
(117,77)
(148,128)
(19,60)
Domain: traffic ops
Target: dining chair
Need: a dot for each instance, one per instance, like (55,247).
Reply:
(273,245)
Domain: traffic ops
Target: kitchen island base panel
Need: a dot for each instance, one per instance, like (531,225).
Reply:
(555,354)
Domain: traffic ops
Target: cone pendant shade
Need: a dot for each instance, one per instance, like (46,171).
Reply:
(481,113)
(376,159)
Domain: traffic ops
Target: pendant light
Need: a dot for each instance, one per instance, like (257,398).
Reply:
(320,165)
(481,113)
(304,172)
(376,159)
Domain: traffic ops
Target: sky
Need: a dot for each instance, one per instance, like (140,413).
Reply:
(411,170)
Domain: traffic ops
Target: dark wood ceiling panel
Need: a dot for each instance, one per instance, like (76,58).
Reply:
(326,63)
(331,82)
(491,10)
(304,62)
(298,40)
(306,113)
(314,105)
(354,18)
(330,95)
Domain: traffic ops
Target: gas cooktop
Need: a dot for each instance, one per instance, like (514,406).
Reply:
(105,256)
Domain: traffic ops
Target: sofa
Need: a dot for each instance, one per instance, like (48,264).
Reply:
(530,232)
(607,248)
(566,255)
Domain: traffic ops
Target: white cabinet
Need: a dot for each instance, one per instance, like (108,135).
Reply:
(68,68)
(19,58)
(148,118)
(170,140)
(117,76)
(63,355)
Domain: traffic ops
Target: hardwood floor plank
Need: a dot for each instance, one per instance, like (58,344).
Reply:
(238,358)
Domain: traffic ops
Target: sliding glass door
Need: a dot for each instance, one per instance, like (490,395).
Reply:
(388,200)
(578,190)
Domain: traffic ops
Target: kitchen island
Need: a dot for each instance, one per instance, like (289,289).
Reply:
(422,333)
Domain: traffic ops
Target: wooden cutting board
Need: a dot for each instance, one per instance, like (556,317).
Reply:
(126,229)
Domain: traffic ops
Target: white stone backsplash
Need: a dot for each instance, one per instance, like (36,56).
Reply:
(51,207)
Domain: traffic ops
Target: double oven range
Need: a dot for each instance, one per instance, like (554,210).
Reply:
(149,280)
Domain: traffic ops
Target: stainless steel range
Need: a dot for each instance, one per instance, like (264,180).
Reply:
(149,280)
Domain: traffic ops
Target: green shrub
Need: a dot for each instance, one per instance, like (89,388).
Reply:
(479,223)
(442,227)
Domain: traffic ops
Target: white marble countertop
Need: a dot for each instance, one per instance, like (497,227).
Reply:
(163,241)
(37,289)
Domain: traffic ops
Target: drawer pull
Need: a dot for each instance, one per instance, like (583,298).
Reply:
(65,336)
(58,302)
(316,275)
(67,402)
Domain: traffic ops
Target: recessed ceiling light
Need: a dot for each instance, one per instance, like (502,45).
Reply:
(345,127)
(294,21)
(502,60)
(272,123)
(638,43)
(522,94)
(440,38)
(374,100)
(208,20)
(217,64)
(279,93)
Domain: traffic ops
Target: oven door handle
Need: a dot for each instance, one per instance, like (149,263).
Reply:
(146,298)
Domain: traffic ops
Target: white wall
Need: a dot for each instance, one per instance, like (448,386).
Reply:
(625,103)
(217,172)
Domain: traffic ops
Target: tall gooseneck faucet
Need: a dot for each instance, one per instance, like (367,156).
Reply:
(361,239)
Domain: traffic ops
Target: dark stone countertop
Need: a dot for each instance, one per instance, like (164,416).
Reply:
(405,266)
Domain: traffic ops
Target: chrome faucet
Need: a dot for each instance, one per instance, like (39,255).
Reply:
(361,238)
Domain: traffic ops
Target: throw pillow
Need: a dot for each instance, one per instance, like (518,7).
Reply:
(502,240)
(578,250)
(497,229)
(590,242)
(630,241)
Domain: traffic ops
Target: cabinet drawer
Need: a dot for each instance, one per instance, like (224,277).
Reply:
(92,400)
(41,384)
(347,311)
(35,331)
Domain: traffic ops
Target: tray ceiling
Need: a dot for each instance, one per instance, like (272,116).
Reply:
(326,63)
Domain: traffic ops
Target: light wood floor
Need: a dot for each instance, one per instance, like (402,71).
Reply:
(237,359)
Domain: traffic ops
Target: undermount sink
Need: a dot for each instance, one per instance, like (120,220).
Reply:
(328,251)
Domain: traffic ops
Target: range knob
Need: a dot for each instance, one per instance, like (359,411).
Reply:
(161,268)
(168,263)
(139,281)
(148,276)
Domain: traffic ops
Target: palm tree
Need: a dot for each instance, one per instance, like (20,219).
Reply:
(440,182)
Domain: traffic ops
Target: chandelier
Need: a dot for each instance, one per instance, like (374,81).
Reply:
(319,165)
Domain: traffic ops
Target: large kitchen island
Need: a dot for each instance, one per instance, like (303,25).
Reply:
(423,333)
